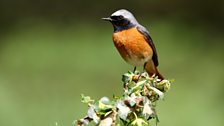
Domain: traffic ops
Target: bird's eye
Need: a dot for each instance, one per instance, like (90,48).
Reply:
(117,17)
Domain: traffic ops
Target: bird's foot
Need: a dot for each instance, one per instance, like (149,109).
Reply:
(134,69)
(136,77)
(140,75)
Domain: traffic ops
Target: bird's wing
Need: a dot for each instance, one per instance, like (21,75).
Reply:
(144,31)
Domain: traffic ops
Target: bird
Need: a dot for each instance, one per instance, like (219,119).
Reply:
(133,42)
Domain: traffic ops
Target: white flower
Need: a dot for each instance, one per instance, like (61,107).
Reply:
(161,94)
(123,110)
(147,109)
(92,114)
(106,122)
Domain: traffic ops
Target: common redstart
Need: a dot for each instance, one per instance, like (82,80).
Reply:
(133,42)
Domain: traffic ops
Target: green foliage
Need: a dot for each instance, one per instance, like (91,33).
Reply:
(135,108)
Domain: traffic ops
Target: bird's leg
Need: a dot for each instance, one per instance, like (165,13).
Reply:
(144,67)
(134,69)
(142,71)
(135,78)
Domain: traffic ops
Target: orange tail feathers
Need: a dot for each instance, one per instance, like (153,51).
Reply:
(151,69)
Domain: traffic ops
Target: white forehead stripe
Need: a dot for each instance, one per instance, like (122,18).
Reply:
(126,14)
(122,12)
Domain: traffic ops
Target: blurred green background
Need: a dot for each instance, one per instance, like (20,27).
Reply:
(53,51)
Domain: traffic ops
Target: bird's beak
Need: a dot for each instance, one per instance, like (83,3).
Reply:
(107,19)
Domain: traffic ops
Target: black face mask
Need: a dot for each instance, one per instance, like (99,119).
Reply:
(120,23)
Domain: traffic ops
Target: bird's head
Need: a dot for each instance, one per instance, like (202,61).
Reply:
(122,19)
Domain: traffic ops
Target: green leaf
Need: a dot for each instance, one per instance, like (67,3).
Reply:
(137,87)
(103,106)
(139,122)
(105,100)
(86,99)
(164,85)
(127,77)
(119,122)
(116,97)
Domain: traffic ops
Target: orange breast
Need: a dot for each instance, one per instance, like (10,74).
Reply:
(132,46)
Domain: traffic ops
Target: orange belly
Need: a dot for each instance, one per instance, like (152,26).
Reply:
(132,46)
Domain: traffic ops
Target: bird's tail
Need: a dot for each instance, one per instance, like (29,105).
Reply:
(151,69)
